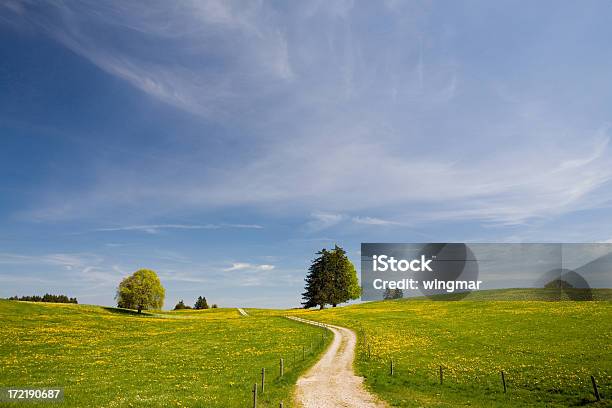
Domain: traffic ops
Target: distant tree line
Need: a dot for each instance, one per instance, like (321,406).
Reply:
(46,298)
(200,303)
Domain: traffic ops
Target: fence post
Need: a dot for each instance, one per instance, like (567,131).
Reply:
(255,395)
(369,352)
(595,390)
(503,380)
(282,367)
(280,405)
(392,368)
(263,380)
(303,352)
(441,376)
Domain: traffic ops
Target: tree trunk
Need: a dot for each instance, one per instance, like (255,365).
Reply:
(321,307)
(139,309)
(334,305)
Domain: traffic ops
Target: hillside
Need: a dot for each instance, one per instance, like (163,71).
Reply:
(547,350)
(113,357)
(534,294)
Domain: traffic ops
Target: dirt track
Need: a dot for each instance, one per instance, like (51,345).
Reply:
(331,382)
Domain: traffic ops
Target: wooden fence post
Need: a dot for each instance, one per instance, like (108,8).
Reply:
(441,376)
(263,380)
(503,380)
(595,390)
(255,395)
(303,352)
(391,368)
(282,367)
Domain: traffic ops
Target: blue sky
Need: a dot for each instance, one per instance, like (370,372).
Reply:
(222,143)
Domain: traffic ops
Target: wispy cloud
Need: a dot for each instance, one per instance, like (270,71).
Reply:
(374,221)
(67,261)
(202,89)
(321,220)
(245,266)
(155,228)
(337,118)
(84,268)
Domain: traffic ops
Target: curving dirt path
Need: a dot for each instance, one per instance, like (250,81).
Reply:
(331,382)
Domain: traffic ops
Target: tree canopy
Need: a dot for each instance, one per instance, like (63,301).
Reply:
(141,290)
(201,303)
(331,279)
(181,305)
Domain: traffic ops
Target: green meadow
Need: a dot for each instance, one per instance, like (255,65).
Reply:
(547,350)
(106,357)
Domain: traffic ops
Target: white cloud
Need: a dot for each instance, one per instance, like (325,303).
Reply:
(155,228)
(67,261)
(83,267)
(374,221)
(322,220)
(245,266)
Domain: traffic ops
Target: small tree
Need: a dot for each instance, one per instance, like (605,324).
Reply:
(201,303)
(141,290)
(387,295)
(214,306)
(180,305)
(393,294)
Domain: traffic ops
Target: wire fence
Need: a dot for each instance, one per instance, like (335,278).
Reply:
(448,376)
(288,363)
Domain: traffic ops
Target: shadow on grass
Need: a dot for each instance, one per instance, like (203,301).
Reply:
(129,312)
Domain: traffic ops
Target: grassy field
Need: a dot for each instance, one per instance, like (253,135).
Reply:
(107,357)
(111,358)
(548,350)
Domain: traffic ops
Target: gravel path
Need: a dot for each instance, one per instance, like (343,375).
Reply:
(332,383)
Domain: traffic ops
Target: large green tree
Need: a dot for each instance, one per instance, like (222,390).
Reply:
(316,282)
(141,290)
(331,279)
